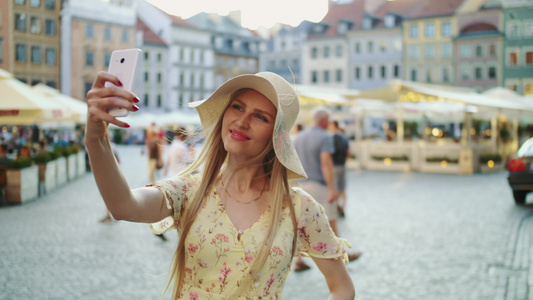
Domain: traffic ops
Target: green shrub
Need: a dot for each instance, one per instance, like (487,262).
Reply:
(439,159)
(63,151)
(494,157)
(43,157)
(75,148)
(54,155)
(20,163)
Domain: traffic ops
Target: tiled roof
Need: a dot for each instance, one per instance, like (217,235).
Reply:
(434,8)
(399,7)
(148,35)
(479,27)
(180,22)
(353,11)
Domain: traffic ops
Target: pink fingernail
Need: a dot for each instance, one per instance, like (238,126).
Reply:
(126,125)
(135,108)
(137,100)
(119,83)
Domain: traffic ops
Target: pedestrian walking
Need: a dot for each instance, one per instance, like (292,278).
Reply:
(239,221)
(315,148)
(341,153)
(179,154)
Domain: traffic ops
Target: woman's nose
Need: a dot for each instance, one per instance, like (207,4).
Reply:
(243,121)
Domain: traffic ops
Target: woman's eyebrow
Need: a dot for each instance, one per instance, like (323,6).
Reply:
(240,102)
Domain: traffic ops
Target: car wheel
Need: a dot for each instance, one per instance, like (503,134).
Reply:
(519,197)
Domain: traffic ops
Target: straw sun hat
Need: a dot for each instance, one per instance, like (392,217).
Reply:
(284,98)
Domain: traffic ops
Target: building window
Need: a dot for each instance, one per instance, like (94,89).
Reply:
(396,71)
(370,74)
(528,28)
(326,52)
(145,100)
(20,22)
(35,3)
(51,84)
(125,36)
(296,63)
(314,52)
(430,51)
(429,76)
(430,30)
(107,34)
(382,47)
(50,27)
(159,101)
(383,71)
(89,31)
(35,25)
(159,77)
(146,77)
(50,4)
(314,77)
(88,87)
(529,57)
(513,58)
(446,29)
(50,57)
(182,79)
(413,51)
(338,51)
(413,31)
(357,73)
(107,59)
(338,75)
(479,51)
(159,57)
(36,56)
(478,73)
(492,50)
(413,75)
(89,58)
(465,51)
(20,53)
(465,73)
(370,47)
(446,50)
(146,55)
(513,30)
(445,75)
(357,47)
(492,73)
(21,2)
(326,76)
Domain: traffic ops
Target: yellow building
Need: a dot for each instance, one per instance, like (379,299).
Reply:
(30,40)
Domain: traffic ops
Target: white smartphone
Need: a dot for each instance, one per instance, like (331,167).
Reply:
(123,64)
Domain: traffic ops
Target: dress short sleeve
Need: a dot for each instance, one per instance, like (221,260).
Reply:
(176,191)
(315,236)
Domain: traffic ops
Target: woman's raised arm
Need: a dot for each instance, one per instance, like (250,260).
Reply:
(139,205)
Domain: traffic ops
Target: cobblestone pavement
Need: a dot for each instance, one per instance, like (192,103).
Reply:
(423,236)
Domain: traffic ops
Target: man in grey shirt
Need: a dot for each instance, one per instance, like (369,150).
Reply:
(315,146)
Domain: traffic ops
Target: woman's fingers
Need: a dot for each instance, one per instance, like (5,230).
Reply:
(98,115)
(103,77)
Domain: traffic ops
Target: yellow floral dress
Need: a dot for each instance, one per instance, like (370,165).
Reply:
(217,260)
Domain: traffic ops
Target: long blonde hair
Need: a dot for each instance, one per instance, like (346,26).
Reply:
(212,158)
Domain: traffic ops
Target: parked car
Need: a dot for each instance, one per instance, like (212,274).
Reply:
(520,175)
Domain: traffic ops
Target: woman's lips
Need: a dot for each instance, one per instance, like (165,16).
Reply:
(239,136)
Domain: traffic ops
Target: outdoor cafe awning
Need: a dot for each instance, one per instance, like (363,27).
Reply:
(21,105)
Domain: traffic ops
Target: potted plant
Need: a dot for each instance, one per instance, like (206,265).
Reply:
(490,163)
(80,159)
(61,163)
(22,181)
(47,163)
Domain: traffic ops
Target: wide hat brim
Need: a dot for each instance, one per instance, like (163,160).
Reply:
(284,98)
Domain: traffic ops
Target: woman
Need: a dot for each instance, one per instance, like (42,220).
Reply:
(239,221)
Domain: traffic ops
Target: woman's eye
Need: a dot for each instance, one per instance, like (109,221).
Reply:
(237,106)
(261,117)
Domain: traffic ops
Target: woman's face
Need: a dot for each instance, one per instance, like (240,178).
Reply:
(248,125)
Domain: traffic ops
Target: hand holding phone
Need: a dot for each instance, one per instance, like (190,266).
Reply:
(123,64)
